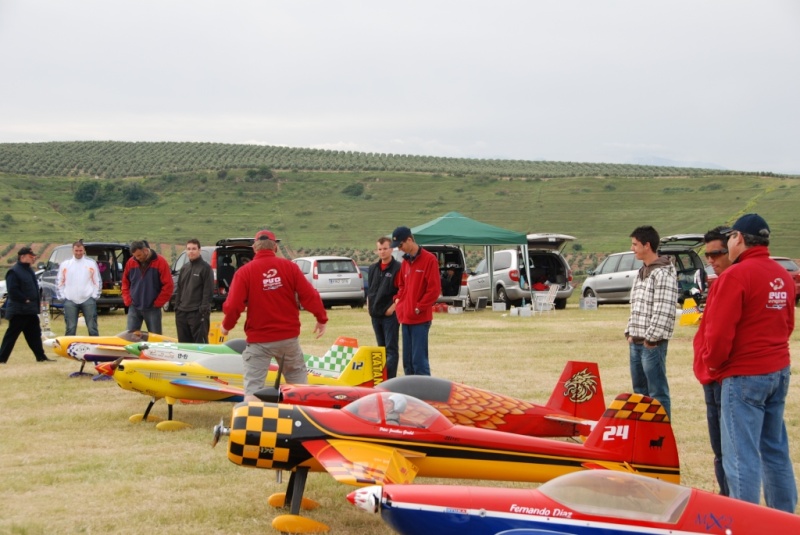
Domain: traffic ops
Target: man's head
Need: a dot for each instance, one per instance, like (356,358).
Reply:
(749,230)
(78,250)
(265,239)
(140,251)
(26,256)
(403,240)
(717,249)
(193,249)
(384,249)
(644,243)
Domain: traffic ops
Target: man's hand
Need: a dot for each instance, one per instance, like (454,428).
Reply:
(223,330)
(319,329)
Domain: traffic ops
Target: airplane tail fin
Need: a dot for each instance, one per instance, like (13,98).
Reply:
(579,391)
(367,367)
(336,359)
(637,430)
(690,314)
(215,335)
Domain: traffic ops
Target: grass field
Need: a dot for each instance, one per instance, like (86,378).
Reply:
(71,462)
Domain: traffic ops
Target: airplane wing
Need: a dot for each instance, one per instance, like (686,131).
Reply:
(362,463)
(199,385)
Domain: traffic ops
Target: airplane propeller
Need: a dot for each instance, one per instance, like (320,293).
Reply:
(219,431)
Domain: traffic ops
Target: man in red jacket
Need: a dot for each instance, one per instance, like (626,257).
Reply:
(748,323)
(266,287)
(717,257)
(146,285)
(419,286)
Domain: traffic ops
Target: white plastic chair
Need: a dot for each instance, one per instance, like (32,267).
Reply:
(545,301)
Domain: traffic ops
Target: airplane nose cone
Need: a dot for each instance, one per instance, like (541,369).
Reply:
(367,498)
(52,343)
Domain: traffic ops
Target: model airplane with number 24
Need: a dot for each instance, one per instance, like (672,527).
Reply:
(389,438)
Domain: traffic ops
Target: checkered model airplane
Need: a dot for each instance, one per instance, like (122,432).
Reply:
(387,438)
(197,372)
(575,404)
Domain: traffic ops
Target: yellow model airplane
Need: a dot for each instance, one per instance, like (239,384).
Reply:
(217,375)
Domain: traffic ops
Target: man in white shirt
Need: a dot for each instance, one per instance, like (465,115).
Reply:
(78,284)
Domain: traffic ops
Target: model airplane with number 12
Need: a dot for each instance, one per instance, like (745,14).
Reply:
(393,438)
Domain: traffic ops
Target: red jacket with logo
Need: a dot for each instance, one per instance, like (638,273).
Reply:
(266,287)
(750,318)
(419,286)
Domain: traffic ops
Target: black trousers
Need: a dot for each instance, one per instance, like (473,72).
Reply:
(192,326)
(27,324)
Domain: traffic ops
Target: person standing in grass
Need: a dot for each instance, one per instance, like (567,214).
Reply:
(419,286)
(78,284)
(22,308)
(717,256)
(652,320)
(382,288)
(146,285)
(270,288)
(748,325)
(194,296)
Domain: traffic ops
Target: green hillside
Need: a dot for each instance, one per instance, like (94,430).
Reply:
(345,210)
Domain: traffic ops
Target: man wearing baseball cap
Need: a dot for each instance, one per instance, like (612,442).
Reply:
(419,286)
(22,307)
(269,288)
(746,348)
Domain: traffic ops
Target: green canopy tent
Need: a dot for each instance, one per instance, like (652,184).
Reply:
(455,228)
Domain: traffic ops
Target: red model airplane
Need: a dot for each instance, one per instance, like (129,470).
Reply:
(593,502)
(392,438)
(575,404)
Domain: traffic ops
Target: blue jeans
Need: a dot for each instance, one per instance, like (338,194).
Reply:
(150,316)
(649,372)
(713,394)
(387,334)
(415,349)
(89,309)
(754,439)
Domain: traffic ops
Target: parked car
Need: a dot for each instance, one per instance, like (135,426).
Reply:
(612,280)
(546,265)
(449,257)
(337,279)
(794,270)
(111,258)
(225,257)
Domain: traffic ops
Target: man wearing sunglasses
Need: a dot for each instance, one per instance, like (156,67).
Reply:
(717,257)
(747,323)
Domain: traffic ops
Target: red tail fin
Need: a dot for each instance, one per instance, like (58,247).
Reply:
(579,391)
(636,430)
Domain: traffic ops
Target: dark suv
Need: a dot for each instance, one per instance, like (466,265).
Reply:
(110,257)
(225,258)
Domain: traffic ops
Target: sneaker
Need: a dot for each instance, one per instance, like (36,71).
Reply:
(45,360)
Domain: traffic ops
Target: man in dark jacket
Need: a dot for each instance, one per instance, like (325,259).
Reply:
(22,307)
(380,303)
(146,286)
(194,295)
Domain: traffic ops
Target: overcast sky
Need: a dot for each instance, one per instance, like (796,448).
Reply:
(692,82)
